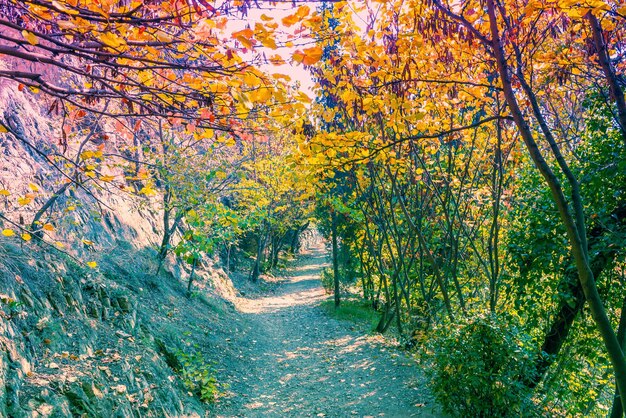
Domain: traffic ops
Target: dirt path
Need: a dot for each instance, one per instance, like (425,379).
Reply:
(296,361)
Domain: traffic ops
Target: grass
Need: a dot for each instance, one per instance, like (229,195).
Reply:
(353,310)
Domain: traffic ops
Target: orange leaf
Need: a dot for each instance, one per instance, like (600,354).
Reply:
(290,20)
(244,33)
(312,55)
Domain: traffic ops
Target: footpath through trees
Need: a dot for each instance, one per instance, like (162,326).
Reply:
(298,361)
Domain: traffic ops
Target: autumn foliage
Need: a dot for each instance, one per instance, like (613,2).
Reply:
(465,160)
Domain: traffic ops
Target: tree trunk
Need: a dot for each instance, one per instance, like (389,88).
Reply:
(617,411)
(335,257)
(569,308)
(385,319)
(276,247)
(34,225)
(256,269)
(190,281)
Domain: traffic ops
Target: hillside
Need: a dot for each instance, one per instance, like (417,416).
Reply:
(109,341)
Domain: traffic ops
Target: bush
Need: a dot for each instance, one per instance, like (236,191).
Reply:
(477,369)
(328,280)
(198,376)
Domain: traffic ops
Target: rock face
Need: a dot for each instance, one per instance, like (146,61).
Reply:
(76,341)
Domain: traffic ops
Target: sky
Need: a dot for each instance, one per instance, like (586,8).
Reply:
(296,71)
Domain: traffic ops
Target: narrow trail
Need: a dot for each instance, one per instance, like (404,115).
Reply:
(296,361)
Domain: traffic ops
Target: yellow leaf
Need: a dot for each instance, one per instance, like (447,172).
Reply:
(71,208)
(5,192)
(8,233)
(278,76)
(276,59)
(26,236)
(65,9)
(87,242)
(48,227)
(30,37)
(3,128)
(92,264)
(59,244)
(112,40)
(244,36)
(303,97)
(269,42)
(107,178)
(261,95)
(303,11)
(298,56)
(90,174)
(142,173)
(147,190)
(24,200)
(33,187)
(164,37)
(246,42)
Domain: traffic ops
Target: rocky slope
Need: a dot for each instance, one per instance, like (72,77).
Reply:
(112,343)
(117,340)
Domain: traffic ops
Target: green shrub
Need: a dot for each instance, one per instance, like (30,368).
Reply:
(477,369)
(198,376)
(328,280)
